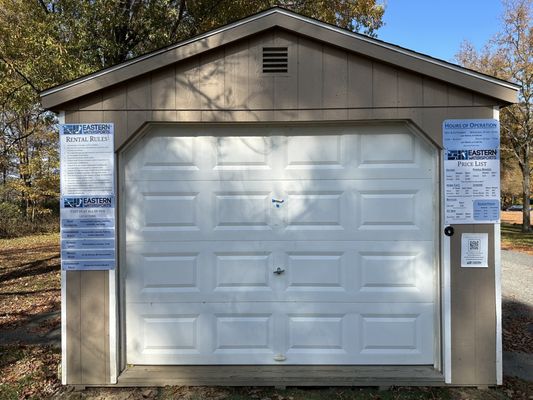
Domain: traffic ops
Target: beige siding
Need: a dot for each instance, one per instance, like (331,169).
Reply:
(164,89)
(360,93)
(285,85)
(323,84)
(473,314)
(87,327)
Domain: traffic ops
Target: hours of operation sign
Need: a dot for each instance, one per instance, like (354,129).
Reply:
(87,197)
(471,171)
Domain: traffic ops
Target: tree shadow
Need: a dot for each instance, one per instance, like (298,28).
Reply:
(517,326)
(33,268)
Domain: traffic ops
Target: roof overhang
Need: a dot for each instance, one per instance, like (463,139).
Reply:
(388,53)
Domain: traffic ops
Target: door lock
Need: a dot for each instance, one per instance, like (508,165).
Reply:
(279,271)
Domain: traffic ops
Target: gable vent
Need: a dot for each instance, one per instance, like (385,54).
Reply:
(275,59)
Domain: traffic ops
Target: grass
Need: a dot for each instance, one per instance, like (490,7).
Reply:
(514,239)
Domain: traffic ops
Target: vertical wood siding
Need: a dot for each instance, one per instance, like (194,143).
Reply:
(227,84)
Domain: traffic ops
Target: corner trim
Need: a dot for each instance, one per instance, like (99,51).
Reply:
(498,289)
(61,120)
(446,289)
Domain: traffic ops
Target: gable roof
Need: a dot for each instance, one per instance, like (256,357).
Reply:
(288,20)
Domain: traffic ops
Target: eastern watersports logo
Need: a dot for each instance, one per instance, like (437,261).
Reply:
(72,129)
(92,129)
(88,202)
(482,154)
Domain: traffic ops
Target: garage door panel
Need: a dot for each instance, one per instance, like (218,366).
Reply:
(229,272)
(244,333)
(289,210)
(314,271)
(387,207)
(315,153)
(242,153)
(359,271)
(351,153)
(246,271)
(159,153)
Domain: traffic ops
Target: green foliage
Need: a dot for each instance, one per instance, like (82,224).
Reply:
(10,215)
(13,222)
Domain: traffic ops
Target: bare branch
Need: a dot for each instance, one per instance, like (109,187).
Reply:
(19,73)
(43,6)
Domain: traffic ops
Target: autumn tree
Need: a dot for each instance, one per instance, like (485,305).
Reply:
(47,42)
(510,56)
(30,59)
(112,31)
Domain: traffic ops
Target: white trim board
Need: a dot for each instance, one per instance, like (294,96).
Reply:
(498,290)
(446,291)
(61,120)
(113,370)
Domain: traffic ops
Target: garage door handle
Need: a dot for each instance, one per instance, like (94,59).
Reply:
(279,271)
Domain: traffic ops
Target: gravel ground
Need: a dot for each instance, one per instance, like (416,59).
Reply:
(517,315)
(517,277)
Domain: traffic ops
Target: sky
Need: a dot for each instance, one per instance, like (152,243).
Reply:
(438,27)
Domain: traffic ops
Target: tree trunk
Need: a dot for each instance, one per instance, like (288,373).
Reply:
(526,194)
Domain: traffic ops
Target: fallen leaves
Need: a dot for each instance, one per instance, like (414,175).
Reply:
(28,372)
(29,278)
(517,327)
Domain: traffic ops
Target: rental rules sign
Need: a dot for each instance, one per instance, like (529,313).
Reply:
(87,197)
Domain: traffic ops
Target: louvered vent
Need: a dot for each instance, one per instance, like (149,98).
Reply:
(275,59)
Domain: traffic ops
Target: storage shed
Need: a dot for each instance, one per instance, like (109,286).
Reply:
(280,216)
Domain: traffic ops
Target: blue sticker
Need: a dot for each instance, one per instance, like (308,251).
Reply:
(486,210)
(87,233)
(88,265)
(88,223)
(71,244)
(76,255)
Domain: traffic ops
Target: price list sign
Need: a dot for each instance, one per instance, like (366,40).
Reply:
(87,197)
(471,171)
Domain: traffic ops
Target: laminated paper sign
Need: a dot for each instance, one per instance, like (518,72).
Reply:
(87,197)
(474,250)
(471,171)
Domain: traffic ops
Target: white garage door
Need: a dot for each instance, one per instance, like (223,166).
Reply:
(269,245)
